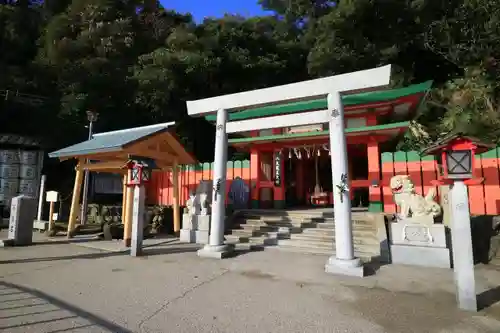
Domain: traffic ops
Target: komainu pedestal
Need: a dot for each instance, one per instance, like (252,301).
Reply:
(196,220)
(419,244)
(415,239)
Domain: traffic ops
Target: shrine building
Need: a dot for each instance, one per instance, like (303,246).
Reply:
(291,166)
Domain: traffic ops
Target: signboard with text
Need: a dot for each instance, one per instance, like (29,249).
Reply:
(277,169)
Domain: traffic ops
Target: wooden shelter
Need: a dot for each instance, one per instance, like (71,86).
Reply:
(110,152)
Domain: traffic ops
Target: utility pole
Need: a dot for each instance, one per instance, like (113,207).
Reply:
(92,117)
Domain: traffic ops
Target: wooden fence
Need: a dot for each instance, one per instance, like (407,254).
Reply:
(159,191)
(483,199)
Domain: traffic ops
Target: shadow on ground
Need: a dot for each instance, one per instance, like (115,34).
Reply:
(41,299)
(488,298)
(153,250)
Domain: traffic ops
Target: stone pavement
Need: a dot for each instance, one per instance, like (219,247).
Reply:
(70,288)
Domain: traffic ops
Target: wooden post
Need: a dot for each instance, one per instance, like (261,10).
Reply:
(127,224)
(124,199)
(51,216)
(75,201)
(175,180)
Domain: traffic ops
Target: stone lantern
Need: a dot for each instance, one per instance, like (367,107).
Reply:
(141,170)
(456,156)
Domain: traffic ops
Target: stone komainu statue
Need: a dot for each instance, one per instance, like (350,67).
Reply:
(411,203)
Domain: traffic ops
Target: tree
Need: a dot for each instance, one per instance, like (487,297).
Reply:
(90,47)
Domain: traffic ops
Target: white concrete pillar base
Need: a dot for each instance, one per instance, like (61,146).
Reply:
(353,267)
(216,251)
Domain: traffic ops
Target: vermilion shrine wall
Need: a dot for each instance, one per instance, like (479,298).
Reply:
(484,199)
(160,189)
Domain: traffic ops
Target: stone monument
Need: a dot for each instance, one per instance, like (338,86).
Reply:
(415,239)
(22,214)
(196,218)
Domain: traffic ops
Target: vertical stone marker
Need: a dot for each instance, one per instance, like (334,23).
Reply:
(461,237)
(137,221)
(22,215)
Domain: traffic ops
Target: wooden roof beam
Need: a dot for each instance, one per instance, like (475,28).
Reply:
(113,165)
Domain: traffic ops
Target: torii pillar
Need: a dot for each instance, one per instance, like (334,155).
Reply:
(216,247)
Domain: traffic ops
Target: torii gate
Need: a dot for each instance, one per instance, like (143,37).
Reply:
(330,87)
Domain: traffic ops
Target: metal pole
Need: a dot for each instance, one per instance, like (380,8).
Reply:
(83,215)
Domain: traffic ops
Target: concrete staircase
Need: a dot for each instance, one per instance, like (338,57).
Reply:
(306,231)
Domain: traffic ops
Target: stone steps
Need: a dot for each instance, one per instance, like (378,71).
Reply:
(263,240)
(366,257)
(360,245)
(267,227)
(362,239)
(330,232)
(303,232)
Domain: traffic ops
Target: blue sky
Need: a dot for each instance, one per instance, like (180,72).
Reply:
(214,8)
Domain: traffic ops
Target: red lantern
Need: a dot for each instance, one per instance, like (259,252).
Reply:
(141,173)
(456,154)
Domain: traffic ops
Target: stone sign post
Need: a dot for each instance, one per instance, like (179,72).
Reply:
(22,214)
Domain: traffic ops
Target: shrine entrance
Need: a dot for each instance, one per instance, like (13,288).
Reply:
(309,177)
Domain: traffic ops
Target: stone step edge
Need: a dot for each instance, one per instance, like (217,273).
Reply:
(357,240)
(365,257)
(316,225)
(326,244)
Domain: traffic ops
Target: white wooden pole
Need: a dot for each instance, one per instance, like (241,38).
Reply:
(344,261)
(216,247)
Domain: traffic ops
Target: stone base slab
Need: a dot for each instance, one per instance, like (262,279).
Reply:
(345,267)
(420,256)
(7,243)
(201,237)
(202,222)
(216,252)
(187,221)
(187,236)
(402,233)
(196,222)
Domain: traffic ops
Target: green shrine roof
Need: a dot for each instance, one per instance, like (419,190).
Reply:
(395,128)
(318,104)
